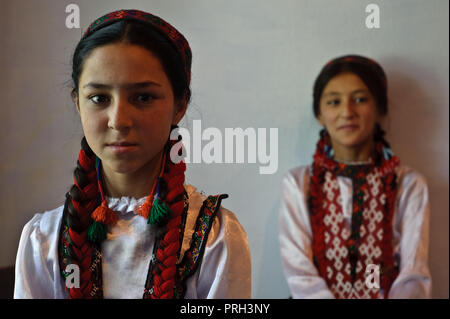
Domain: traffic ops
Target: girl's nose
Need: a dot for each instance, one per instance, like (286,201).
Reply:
(347,109)
(120,117)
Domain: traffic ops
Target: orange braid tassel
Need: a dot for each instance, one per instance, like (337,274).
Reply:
(144,209)
(103,214)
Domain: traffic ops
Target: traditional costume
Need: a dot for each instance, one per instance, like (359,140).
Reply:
(173,243)
(337,219)
(128,250)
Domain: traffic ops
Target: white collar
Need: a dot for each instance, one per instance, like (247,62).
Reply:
(126,204)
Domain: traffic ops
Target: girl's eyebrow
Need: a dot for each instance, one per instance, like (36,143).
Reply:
(360,91)
(338,93)
(127,86)
(331,93)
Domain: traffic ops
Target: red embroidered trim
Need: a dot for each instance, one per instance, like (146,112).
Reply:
(318,207)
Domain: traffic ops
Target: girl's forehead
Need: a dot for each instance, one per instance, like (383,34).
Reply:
(122,63)
(345,82)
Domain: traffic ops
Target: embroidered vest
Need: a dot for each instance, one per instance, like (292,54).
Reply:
(346,264)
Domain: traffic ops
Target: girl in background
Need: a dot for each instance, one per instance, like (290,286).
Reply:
(354,224)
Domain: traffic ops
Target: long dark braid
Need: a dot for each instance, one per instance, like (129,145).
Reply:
(168,244)
(74,246)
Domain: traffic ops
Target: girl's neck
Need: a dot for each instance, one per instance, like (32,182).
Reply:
(137,184)
(356,154)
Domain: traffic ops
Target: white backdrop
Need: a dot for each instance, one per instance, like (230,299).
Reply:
(254,64)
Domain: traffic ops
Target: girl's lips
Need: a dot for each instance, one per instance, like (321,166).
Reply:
(349,127)
(121,148)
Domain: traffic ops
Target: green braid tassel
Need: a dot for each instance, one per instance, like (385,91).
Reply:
(96,232)
(159,214)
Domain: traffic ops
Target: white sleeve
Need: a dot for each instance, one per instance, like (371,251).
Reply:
(37,270)
(225,270)
(413,210)
(295,238)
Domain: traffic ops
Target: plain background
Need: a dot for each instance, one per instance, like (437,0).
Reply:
(254,66)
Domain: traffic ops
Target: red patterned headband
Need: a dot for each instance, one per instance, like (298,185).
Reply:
(176,38)
(358,59)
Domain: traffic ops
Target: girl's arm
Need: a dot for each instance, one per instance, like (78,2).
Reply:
(412,222)
(295,238)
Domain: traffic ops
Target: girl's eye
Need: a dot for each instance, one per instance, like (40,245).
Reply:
(144,98)
(333,102)
(361,99)
(99,99)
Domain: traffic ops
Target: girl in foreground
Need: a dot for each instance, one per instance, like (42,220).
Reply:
(355,223)
(129,227)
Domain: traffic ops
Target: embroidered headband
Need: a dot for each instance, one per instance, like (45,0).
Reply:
(361,60)
(176,38)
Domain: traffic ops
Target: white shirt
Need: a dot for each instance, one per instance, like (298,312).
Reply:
(225,271)
(410,236)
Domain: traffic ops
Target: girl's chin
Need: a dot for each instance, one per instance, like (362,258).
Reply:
(120,166)
(127,165)
(352,142)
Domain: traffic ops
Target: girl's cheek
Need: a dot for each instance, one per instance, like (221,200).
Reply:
(97,121)
(94,126)
(330,118)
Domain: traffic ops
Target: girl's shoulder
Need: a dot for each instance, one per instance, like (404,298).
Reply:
(298,172)
(225,222)
(44,225)
(297,178)
(412,185)
(408,176)
(196,201)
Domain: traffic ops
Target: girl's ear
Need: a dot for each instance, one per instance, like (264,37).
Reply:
(379,116)
(180,110)
(319,120)
(75,100)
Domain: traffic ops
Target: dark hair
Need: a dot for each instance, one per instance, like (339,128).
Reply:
(366,69)
(136,33)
